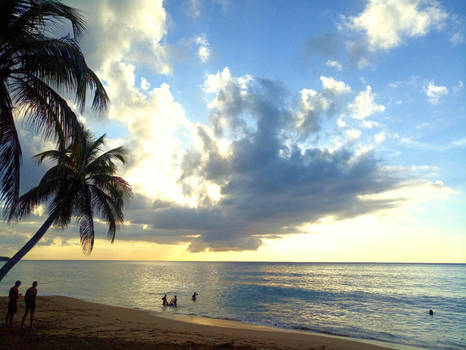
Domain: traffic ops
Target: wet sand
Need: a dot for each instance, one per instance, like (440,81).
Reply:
(68,323)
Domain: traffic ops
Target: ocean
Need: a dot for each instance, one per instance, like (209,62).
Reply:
(385,302)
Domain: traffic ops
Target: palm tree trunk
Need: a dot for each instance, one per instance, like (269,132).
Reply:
(27,247)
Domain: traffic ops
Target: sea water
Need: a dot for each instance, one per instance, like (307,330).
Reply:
(387,302)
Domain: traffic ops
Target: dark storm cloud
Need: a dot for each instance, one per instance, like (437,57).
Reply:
(270,186)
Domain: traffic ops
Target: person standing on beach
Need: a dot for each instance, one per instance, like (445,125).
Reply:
(164,300)
(13,296)
(30,300)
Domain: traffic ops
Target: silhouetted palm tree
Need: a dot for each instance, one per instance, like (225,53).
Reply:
(35,67)
(81,184)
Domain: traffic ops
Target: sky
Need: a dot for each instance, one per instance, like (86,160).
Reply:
(275,131)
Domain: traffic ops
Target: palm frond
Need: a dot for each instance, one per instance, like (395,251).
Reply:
(57,61)
(117,187)
(34,15)
(105,162)
(28,201)
(101,99)
(107,209)
(10,152)
(52,155)
(86,221)
(60,63)
(95,145)
(44,109)
(61,207)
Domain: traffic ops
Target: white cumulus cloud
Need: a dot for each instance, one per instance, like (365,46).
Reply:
(353,134)
(388,23)
(145,85)
(337,87)
(380,137)
(364,104)
(126,31)
(203,50)
(434,92)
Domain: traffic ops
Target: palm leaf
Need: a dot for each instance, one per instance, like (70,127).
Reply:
(110,212)
(10,152)
(36,14)
(86,221)
(105,162)
(60,62)
(44,109)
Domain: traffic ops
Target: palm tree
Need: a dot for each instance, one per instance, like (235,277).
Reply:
(35,68)
(81,183)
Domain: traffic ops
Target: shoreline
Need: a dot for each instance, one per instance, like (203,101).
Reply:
(226,323)
(68,321)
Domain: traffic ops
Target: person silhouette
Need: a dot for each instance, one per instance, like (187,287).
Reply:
(30,300)
(13,296)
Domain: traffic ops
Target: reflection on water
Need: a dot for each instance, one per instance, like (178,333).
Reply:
(374,301)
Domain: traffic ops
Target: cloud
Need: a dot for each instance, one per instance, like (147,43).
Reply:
(31,171)
(268,184)
(249,175)
(323,45)
(11,239)
(152,120)
(203,50)
(458,24)
(358,53)
(314,104)
(380,137)
(458,87)
(151,116)
(369,124)
(387,24)
(434,92)
(227,185)
(353,134)
(364,105)
(334,86)
(457,38)
(432,147)
(195,8)
(119,31)
(254,171)
(145,85)
(460,142)
(334,64)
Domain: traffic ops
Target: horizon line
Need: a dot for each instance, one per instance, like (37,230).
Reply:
(254,261)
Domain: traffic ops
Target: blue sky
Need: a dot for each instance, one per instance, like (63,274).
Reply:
(280,130)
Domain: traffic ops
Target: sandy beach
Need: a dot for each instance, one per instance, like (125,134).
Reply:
(68,323)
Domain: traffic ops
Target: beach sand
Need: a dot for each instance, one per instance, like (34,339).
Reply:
(68,323)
